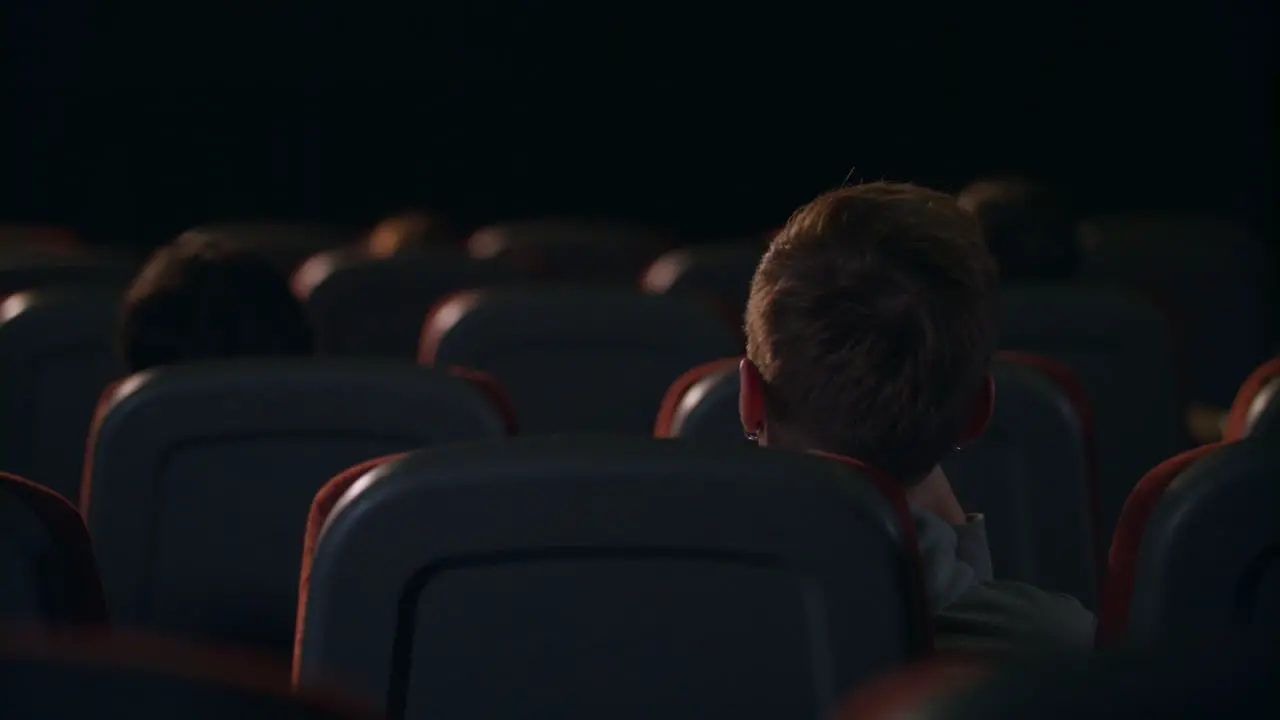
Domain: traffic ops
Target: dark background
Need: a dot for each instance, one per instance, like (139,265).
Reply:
(131,122)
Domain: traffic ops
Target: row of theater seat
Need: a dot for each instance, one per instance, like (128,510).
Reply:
(1212,281)
(628,565)
(1215,279)
(601,375)
(598,359)
(159,492)
(291,423)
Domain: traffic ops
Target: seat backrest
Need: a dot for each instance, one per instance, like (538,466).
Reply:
(200,476)
(702,404)
(1211,682)
(1218,278)
(1197,550)
(721,271)
(101,675)
(582,251)
(612,577)
(47,568)
(1256,409)
(375,307)
(577,359)
(322,505)
(1029,473)
(1263,420)
(1121,349)
(57,355)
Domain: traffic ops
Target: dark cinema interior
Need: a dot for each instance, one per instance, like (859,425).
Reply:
(462,360)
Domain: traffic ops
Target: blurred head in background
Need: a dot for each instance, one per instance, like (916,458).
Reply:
(406,232)
(204,298)
(1028,230)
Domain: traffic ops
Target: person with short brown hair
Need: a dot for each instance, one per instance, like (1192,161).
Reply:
(204,298)
(870,332)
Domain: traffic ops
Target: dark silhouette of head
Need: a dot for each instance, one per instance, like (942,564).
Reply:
(205,298)
(1027,228)
(870,330)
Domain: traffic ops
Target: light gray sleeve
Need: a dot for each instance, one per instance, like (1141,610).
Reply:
(971,546)
(1010,617)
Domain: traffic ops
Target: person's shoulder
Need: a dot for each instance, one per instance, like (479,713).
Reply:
(1004,616)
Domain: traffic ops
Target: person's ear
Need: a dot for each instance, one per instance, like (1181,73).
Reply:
(984,404)
(750,398)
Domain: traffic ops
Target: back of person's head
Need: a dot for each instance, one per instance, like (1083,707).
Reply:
(1029,231)
(204,298)
(870,329)
(407,232)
